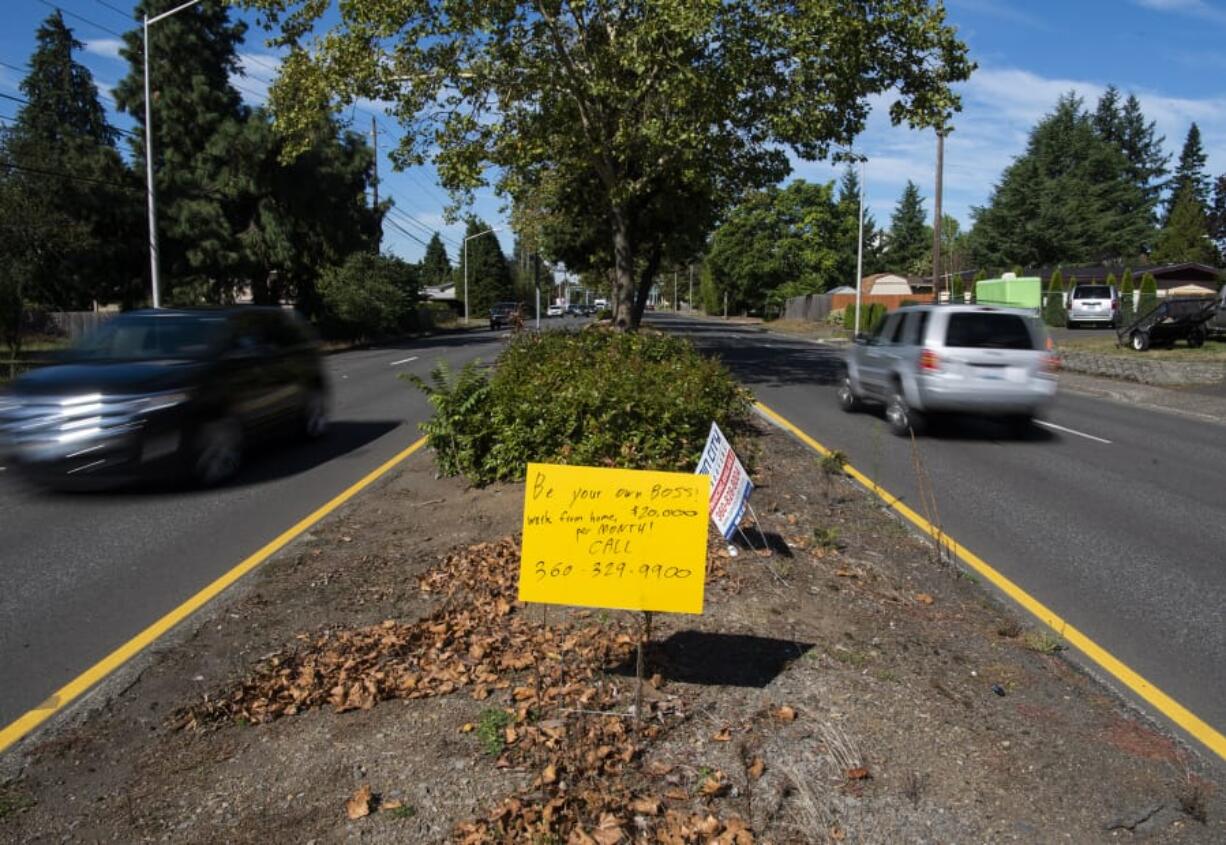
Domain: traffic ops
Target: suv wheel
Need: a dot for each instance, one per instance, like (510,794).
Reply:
(1139,341)
(902,419)
(848,400)
(314,419)
(219,451)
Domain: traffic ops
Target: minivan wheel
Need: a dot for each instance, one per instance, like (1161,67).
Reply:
(219,451)
(315,415)
(1139,341)
(848,400)
(902,419)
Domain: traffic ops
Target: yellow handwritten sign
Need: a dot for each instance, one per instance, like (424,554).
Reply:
(616,538)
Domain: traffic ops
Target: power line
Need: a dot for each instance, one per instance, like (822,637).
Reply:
(116,9)
(20,168)
(428,229)
(127,132)
(404,231)
(81,18)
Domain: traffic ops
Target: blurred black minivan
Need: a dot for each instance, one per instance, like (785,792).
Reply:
(166,392)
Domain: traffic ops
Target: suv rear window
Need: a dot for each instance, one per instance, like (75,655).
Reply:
(982,330)
(1092,292)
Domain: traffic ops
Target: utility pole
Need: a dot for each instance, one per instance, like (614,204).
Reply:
(936,225)
(536,283)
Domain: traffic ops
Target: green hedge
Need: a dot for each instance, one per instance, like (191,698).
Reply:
(595,398)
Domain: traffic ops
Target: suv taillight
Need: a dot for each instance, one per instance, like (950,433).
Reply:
(928,361)
(1115,305)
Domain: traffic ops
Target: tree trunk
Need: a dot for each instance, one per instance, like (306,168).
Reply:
(644,286)
(623,272)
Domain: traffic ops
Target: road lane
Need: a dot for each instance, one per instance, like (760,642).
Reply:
(1126,539)
(81,574)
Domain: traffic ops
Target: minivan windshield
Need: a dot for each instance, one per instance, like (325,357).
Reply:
(147,337)
(985,330)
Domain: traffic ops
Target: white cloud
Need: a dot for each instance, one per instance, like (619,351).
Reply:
(1000,106)
(1195,8)
(108,48)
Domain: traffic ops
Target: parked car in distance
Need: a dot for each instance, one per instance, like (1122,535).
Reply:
(933,359)
(1093,304)
(574,310)
(503,314)
(554,311)
(171,392)
(1217,326)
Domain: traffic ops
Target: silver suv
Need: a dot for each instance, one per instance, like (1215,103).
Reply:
(930,359)
(1093,304)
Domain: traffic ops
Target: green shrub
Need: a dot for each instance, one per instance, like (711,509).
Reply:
(1126,297)
(594,398)
(957,292)
(368,296)
(875,315)
(1149,294)
(849,315)
(1053,310)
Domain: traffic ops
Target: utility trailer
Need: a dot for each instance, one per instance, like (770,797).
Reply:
(1182,318)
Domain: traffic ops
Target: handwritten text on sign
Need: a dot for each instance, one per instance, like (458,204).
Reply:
(617,538)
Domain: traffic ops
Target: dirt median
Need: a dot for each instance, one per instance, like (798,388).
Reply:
(377,682)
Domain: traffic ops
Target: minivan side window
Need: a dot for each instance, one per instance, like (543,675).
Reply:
(896,336)
(885,329)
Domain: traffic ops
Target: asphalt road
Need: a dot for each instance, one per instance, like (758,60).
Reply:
(1116,520)
(81,574)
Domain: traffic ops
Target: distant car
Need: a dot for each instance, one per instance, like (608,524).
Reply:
(929,359)
(503,314)
(1093,304)
(165,393)
(574,310)
(555,311)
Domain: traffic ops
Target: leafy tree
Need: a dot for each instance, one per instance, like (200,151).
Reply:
(1185,237)
(1149,294)
(64,168)
(1126,296)
(369,295)
(957,291)
(292,221)
(435,265)
(909,237)
(1053,310)
(489,274)
(776,244)
(1070,197)
(193,54)
(1189,173)
(636,100)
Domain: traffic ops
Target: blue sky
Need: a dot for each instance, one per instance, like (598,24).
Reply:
(1166,51)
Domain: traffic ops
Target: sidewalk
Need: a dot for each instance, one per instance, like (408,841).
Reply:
(1202,402)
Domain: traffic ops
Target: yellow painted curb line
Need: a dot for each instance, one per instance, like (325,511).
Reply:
(1168,706)
(78,685)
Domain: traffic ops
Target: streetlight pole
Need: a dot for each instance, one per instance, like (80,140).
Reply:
(150,189)
(860,247)
(466,240)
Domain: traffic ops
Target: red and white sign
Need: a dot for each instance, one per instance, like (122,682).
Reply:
(730,484)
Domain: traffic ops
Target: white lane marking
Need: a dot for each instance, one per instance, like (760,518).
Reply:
(1072,431)
(403,361)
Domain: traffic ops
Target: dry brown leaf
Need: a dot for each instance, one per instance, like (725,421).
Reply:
(393,804)
(756,768)
(550,774)
(858,773)
(646,806)
(359,805)
(785,714)
(713,785)
(924,598)
(676,794)
(724,735)
(609,832)
(659,768)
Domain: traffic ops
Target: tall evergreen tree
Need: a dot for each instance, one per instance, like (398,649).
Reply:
(1069,198)
(193,54)
(848,211)
(1185,237)
(1108,121)
(489,274)
(910,237)
(1217,215)
(74,182)
(1127,296)
(435,266)
(1142,147)
(1189,173)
